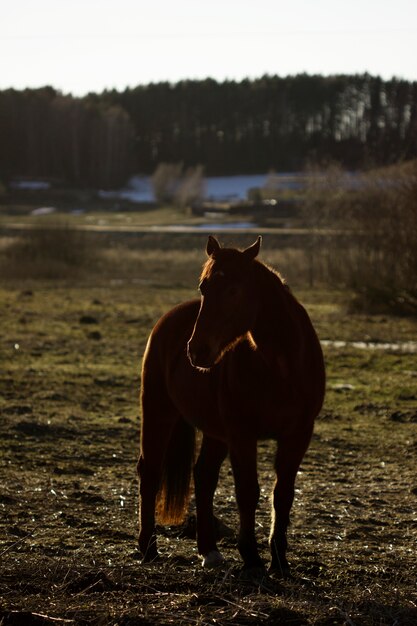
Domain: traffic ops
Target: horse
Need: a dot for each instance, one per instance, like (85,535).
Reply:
(241,364)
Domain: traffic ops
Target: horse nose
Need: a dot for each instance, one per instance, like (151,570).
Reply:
(199,356)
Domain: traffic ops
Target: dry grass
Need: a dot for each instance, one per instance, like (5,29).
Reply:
(66,253)
(69,443)
(53,252)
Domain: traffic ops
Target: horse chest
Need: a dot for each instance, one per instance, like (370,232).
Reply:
(255,395)
(237,395)
(194,393)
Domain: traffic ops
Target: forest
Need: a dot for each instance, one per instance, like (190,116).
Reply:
(251,126)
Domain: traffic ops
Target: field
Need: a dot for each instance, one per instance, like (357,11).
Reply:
(70,351)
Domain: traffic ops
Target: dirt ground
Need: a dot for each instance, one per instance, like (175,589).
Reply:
(69,423)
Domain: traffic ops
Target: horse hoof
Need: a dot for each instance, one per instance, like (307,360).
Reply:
(213,559)
(253,573)
(150,556)
(280,572)
(147,560)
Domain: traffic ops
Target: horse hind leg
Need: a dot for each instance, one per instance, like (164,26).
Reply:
(206,474)
(149,477)
(286,467)
(243,459)
(149,468)
(158,423)
(282,501)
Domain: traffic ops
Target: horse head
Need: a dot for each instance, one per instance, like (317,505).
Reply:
(228,303)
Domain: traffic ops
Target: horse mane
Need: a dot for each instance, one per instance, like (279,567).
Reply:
(232,256)
(281,279)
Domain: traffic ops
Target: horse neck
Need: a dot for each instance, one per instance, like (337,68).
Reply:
(276,320)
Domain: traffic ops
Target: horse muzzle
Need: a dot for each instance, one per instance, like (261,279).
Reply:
(201,357)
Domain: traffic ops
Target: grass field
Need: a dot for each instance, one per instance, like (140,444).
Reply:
(70,351)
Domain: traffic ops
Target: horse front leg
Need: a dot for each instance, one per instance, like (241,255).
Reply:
(243,460)
(206,475)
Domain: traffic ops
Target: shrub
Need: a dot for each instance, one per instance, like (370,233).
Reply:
(191,188)
(165,182)
(53,251)
(171,185)
(375,250)
(254,194)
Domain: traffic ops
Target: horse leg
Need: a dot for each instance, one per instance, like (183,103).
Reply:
(206,474)
(286,467)
(148,488)
(243,460)
(155,437)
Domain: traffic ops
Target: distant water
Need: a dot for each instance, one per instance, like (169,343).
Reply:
(217,188)
(232,187)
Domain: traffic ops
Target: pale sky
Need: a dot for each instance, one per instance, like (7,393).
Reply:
(89,45)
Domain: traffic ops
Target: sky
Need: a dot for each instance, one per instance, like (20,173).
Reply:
(79,46)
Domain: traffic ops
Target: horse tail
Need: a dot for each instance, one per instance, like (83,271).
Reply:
(174,493)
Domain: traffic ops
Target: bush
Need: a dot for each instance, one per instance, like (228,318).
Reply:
(165,182)
(55,251)
(254,194)
(171,185)
(191,188)
(375,250)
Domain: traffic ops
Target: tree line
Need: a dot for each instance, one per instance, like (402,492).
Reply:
(250,126)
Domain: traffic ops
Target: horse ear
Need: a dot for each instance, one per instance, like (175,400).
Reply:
(253,250)
(212,245)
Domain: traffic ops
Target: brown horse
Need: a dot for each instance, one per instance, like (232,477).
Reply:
(241,364)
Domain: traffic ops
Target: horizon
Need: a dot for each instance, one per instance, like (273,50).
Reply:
(82,47)
(203,79)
